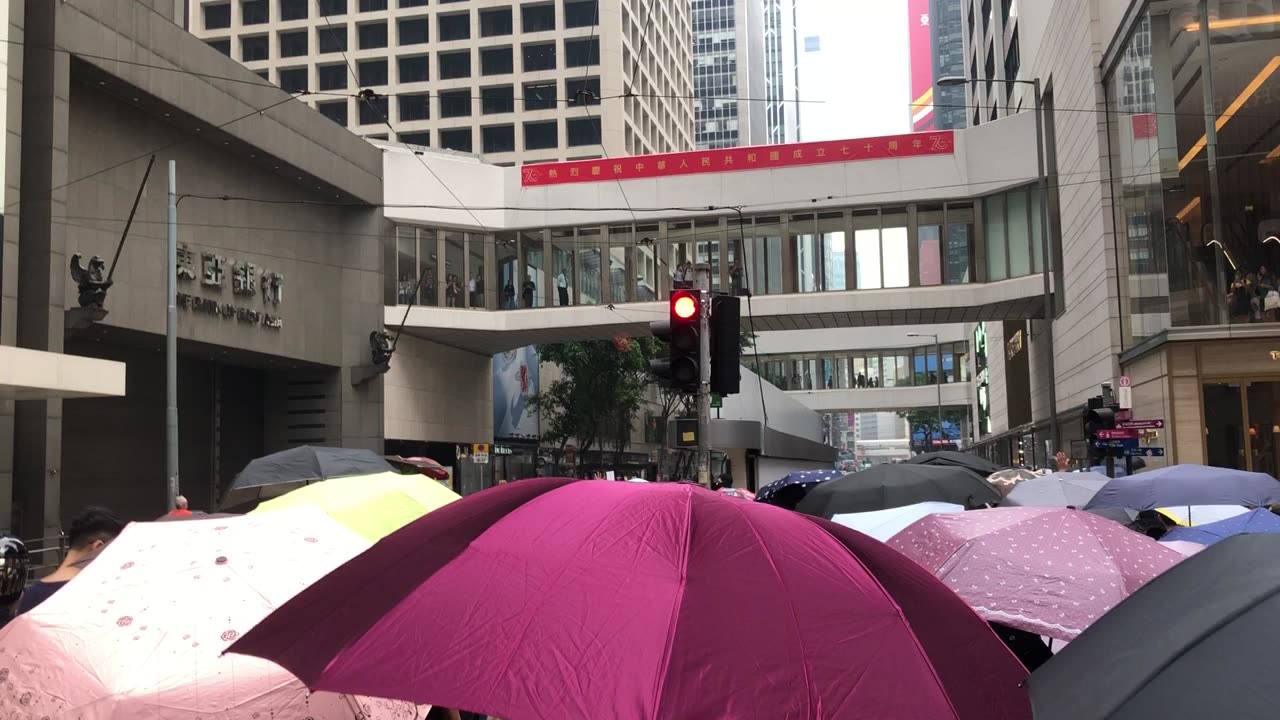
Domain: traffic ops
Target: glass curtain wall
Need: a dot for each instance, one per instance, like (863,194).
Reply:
(831,250)
(507,256)
(476,285)
(929,219)
(960,243)
(589,266)
(1193,256)
(455,261)
(533,280)
(563,263)
(868,369)
(406,265)
(800,252)
(621,241)
(646,254)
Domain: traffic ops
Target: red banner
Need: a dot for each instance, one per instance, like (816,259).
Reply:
(1145,126)
(920,40)
(745,158)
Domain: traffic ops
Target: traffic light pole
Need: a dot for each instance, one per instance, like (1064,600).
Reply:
(704,380)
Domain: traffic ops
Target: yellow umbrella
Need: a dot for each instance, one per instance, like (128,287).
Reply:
(372,505)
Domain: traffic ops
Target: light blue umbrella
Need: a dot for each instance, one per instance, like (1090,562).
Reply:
(1182,485)
(1255,521)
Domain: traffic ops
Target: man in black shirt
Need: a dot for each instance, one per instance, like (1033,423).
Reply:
(91,530)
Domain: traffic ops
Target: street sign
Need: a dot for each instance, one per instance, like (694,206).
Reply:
(1122,434)
(1117,444)
(480,458)
(1125,381)
(1124,396)
(716,400)
(1145,452)
(1157,424)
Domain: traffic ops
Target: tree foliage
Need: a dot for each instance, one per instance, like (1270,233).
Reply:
(925,422)
(601,389)
(603,386)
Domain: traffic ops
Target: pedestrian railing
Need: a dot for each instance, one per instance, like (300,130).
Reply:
(46,554)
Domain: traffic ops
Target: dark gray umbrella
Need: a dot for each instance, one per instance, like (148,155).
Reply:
(278,473)
(952,458)
(1200,641)
(889,486)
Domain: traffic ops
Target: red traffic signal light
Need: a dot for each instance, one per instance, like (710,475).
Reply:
(684,305)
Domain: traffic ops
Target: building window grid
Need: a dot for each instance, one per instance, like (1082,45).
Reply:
(339,16)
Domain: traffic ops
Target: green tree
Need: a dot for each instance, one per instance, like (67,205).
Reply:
(925,421)
(595,401)
(603,386)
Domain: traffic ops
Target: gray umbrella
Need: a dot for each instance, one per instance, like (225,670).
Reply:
(888,486)
(1057,490)
(278,473)
(1200,641)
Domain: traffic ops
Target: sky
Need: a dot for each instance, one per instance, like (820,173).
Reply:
(859,71)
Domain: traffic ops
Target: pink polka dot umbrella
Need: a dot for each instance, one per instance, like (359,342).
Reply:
(1049,571)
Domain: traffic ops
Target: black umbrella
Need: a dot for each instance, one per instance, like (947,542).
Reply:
(1200,641)
(278,473)
(952,458)
(889,486)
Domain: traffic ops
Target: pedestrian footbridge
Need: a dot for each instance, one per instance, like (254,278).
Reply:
(489,332)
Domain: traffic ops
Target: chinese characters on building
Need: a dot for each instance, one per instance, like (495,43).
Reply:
(247,279)
(940,142)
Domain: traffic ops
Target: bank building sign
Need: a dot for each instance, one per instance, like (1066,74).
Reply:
(248,282)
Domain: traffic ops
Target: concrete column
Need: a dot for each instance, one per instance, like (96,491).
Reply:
(9,276)
(42,261)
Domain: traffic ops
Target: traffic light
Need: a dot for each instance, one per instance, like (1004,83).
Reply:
(680,370)
(726,344)
(1098,416)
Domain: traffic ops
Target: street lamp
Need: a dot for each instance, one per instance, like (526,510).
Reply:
(937,350)
(1043,184)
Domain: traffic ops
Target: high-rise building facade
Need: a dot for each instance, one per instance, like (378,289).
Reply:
(782,79)
(730,105)
(515,82)
(936,32)
(992,54)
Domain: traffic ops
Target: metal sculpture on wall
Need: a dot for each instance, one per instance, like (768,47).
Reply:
(92,281)
(381,347)
(380,344)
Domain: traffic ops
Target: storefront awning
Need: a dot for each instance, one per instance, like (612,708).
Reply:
(35,375)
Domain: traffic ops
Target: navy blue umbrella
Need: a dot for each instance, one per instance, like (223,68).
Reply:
(792,488)
(1180,485)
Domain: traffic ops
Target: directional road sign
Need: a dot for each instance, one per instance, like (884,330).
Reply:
(1123,434)
(1157,424)
(1124,444)
(1144,452)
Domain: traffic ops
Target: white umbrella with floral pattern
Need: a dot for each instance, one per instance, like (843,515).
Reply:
(140,632)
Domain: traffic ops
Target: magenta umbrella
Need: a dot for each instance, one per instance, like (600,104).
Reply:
(554,598)
(1049,571)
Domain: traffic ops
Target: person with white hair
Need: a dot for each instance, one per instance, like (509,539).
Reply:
(180,507)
